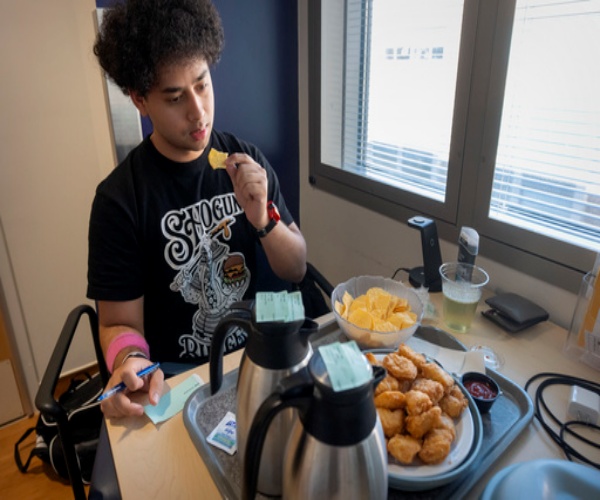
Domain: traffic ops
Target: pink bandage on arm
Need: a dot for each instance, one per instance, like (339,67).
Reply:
(120,342)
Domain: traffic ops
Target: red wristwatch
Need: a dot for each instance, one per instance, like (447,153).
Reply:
(274,218)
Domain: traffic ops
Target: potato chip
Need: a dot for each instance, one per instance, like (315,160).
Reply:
(361,302)
(381,325)
(397,320)
(340,309)
(361,318)
(401,305)
(380,300)
(403,319)
(347,299)
(217,159)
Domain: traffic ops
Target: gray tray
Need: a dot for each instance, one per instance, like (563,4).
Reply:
(510,415)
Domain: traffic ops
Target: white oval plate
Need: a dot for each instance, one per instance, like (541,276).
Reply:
(420,476)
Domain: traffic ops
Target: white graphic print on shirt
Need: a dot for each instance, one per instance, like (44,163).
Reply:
(209,274)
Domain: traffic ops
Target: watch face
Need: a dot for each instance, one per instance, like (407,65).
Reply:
(274,218)
(273,212)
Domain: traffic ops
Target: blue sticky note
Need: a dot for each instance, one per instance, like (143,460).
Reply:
(346,365)
(173,401)
(279,307)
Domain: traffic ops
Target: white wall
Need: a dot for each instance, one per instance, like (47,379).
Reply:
(345,239)
(56,147)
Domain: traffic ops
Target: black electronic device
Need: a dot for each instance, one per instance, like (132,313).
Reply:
(427,275)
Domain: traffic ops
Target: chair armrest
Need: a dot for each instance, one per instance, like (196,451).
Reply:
(47,403)
(44,400)
(319,279)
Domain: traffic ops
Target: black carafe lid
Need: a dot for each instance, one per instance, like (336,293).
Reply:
(279,345)
(340,418)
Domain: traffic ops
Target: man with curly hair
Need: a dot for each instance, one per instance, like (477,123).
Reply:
(174,228)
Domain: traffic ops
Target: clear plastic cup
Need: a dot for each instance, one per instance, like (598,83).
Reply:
(462,286)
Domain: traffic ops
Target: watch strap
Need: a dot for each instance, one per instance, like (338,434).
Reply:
(267,229)
(133,354)
(274,218)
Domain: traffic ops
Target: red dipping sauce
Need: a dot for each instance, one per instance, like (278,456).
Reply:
(480,389)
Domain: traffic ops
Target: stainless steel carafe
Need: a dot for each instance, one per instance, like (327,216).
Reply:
(274,350)
(337,448)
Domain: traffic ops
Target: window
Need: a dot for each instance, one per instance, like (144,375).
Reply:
(547,172)
(476,113)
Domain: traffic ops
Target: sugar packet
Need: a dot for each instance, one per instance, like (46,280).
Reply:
(224,435)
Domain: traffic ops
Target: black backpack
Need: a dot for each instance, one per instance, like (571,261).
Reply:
(85,419)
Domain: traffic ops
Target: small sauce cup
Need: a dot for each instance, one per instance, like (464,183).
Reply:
(483,389)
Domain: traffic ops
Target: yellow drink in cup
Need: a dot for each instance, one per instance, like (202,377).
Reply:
(458,314)
(462,286)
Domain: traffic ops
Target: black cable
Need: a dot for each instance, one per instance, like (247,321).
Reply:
(565,427)
(569,450)
(405,269)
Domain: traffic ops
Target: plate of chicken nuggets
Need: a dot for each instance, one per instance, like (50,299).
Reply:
(432,429)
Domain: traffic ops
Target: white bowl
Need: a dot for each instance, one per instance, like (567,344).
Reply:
(370,339)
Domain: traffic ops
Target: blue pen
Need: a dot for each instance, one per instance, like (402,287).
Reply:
(121,387)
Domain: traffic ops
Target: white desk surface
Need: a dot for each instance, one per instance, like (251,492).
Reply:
(162,462)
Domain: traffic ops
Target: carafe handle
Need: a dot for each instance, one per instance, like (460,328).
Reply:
(379,373)
(293,391)
(241,316)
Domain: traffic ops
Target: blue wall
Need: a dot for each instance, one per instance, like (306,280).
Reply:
(256,83)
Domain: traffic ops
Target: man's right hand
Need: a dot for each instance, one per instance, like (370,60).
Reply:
(121,405)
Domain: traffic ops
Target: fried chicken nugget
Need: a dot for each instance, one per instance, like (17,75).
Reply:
(392,400)
(435,372)
(372,359)
(388,383)
(404,448)
(392,421)
(436,446)
(456,391)
(417,358)
(433,389)
(400,367)
(417,402)
(454,402)
(419,425)
(404,385)
(446,423)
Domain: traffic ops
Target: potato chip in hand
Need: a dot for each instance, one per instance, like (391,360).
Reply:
(217,159)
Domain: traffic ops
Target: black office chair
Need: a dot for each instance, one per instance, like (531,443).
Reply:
(45,399)
(316,291)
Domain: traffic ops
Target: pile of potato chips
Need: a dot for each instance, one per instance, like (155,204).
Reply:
(376,310)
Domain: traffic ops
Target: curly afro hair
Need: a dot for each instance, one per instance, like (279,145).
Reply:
(137,37)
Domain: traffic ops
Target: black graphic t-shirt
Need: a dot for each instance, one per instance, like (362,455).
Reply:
(174,234)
